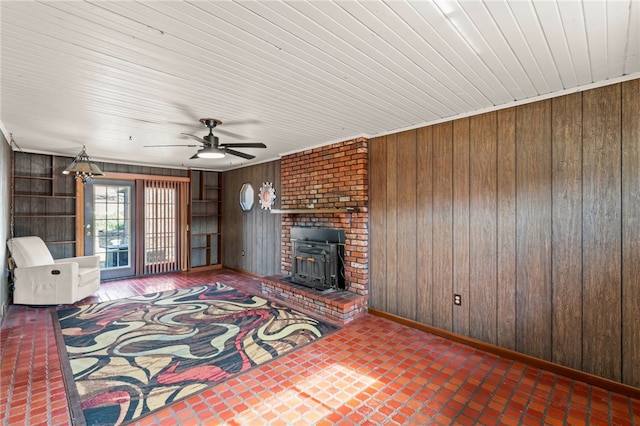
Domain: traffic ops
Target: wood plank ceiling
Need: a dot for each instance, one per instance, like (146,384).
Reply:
(116,76)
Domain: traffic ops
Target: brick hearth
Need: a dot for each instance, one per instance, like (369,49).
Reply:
(338,306)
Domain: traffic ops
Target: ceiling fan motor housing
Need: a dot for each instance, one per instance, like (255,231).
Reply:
(213,140)
(210,122)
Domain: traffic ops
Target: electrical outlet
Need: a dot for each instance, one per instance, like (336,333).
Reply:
(457,299)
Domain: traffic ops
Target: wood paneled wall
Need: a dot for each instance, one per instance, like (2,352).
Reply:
(5,216)
(141,170)
(532,215)
(256,232)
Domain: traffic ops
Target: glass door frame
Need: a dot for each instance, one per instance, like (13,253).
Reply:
(113,254)
(185,182)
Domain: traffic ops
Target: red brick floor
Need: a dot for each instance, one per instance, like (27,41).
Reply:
(371,372)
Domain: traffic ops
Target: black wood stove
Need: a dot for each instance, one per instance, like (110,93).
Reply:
(318,258)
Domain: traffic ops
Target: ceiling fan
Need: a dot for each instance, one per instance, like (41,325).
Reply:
(211,147)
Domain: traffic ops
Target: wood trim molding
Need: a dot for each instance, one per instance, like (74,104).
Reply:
(135,176)
(205,268)
(316,211)
(571,373)
(184,227)
(242,271)
(79,218)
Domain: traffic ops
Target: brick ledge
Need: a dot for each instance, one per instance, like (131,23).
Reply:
(336,306)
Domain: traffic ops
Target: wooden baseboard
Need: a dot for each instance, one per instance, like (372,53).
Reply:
(571,373)
(240,271)
(205,268)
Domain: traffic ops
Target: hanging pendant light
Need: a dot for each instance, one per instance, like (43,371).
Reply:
(83,167)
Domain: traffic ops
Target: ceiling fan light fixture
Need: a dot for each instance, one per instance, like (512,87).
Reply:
(210,152)
(83,168)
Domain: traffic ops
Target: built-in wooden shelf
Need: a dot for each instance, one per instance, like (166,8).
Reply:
(25,195)
(317,211)
(205,219)
(44,202)
(44,215)
(37,177)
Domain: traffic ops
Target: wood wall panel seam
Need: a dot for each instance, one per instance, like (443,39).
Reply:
(443,226)
(602,232)
(483,230)
(533,228)
(461,172)
(630,351)
(406,215)
(424,225)
(567,230)
(506,226)
(391,285)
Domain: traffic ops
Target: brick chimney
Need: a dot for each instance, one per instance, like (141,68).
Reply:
(332,176)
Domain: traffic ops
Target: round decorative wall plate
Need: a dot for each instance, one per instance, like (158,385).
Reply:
(267,195)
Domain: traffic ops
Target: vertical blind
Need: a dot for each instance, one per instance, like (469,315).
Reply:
(163,240)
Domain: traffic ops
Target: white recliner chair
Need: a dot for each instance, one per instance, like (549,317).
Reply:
(41,280)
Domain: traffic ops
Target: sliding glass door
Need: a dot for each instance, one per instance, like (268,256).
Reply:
(109,224)
(135,226)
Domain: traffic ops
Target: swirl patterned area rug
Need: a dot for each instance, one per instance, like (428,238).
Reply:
(127,358)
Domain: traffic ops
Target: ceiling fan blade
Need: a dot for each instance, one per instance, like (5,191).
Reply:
(244,145)
(231,134)
(144,120)
(239,122)
(198,138)
(159,122)
(155,146)
(239,154)
(186,110)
